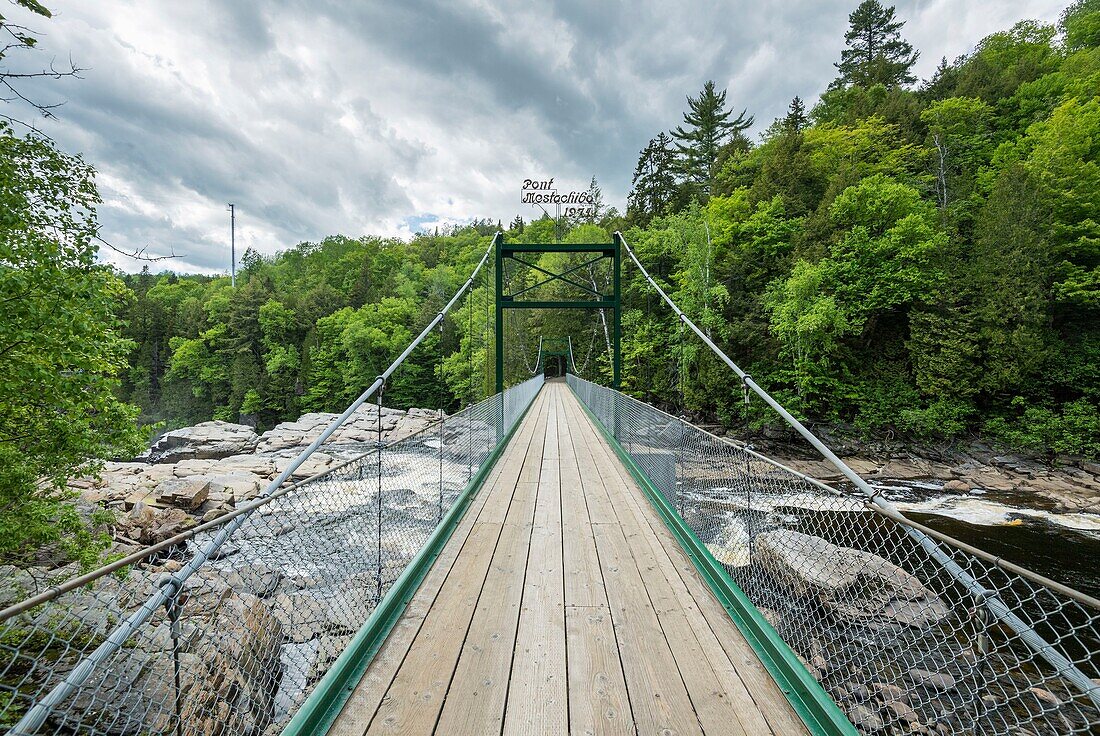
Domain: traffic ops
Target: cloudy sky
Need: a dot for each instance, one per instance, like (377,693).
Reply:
(318,117)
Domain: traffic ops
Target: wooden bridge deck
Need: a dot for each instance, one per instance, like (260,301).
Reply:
(561,605)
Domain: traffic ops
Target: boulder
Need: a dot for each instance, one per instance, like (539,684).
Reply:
(956,486)
(186,493)
(229,653)
(236,486)
(850,582)
(293,434)
(415,420)
(147,525)
(1045,696)
(205,441)
(184,468)
(316,463)
(933,680)
(908,469)
(359,428)
(865,719)
(260,465)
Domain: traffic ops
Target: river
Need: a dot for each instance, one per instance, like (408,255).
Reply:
(1062,546)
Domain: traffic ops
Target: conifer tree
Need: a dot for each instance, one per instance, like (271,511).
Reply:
(796,116)
(598,206)
(876,53)
(709,129)
(654,182)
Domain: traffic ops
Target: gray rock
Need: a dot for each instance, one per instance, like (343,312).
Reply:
(934,680)
(205,441)
(259,580)
(1046,697)
(851,582)
(887,691)
(186,493)
(902,711)
(865,719)
(260,465)
(18,584)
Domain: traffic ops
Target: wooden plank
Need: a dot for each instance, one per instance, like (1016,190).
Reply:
(715,702)
(598,704)
(717,693)
(364,701)
(758,700)
(765,693)
(476,698)
(413,699)
(416,693)
(537,695)
(528,471)
(584,584)
(658,697)
(728,672)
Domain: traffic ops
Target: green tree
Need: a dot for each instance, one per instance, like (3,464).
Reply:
(653,186)
(1064,159)
(709,130)
(1080,24)
(1005,60)
(61,351)
(876,53)
(796,117)
(960,132)
(807,322)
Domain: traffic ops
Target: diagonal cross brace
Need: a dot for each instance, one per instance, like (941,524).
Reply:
(557,277)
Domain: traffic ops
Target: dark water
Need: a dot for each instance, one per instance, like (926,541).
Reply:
(1065,555)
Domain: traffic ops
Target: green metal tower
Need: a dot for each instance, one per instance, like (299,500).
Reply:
(522,252)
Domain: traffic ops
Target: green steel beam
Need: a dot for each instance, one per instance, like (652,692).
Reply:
(604,248)
(324,704)
(813,705)
(499,336)
(558,276)
(616,352)
(570,304)
(612,301)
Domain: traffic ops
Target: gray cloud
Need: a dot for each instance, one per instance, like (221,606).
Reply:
(318,117)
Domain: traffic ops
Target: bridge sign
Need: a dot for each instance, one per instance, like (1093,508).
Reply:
(540,192)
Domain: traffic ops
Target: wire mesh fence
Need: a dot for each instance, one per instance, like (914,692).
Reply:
(236,646)
(906,634)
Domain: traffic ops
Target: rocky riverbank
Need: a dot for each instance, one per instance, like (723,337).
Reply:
(1073,487)
(269,613)
(196,474)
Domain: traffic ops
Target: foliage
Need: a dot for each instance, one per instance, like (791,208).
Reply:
(917,261)
(653,186)
(709,131)
(876,53)
(60,349)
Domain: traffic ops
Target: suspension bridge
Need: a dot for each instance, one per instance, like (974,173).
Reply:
(558,557)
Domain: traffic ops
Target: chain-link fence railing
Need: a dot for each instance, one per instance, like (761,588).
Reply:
(238,645)
(908,634)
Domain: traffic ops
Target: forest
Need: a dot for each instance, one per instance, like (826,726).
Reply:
(914,259)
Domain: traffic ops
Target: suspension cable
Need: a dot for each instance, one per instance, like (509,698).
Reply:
(273,490)
(37,715)
(442,417)
(981,594)
(538,358)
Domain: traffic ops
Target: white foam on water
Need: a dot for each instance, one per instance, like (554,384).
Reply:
(985,512)
(972,508)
